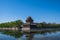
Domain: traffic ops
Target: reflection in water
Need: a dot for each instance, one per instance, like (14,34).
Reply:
(46,36)
(17,35)
(10,35)
(52,36)
(6,37)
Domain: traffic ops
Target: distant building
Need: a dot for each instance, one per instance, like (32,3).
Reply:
(29,25)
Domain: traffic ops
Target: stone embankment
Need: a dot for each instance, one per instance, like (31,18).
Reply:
(9,28)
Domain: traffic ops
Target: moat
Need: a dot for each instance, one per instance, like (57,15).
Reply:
(17,35)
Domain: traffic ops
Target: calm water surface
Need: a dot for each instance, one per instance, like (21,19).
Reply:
(45,36)
(6,37)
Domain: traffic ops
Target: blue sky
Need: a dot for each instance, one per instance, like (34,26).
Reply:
(39,10)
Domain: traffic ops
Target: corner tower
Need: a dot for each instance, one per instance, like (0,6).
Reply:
(29,20)
(29,25)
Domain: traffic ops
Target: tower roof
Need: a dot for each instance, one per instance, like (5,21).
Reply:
(29,19)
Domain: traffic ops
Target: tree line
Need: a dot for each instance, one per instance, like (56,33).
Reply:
(18,23)
(12,24)
(48,25)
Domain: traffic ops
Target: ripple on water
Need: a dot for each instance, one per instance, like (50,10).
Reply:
(6,37)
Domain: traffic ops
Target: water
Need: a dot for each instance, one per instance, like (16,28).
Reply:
(46,36)
(6,37)
(16,35)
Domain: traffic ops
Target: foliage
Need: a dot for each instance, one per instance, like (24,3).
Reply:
(48,25)
(18,23)
(12,24)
